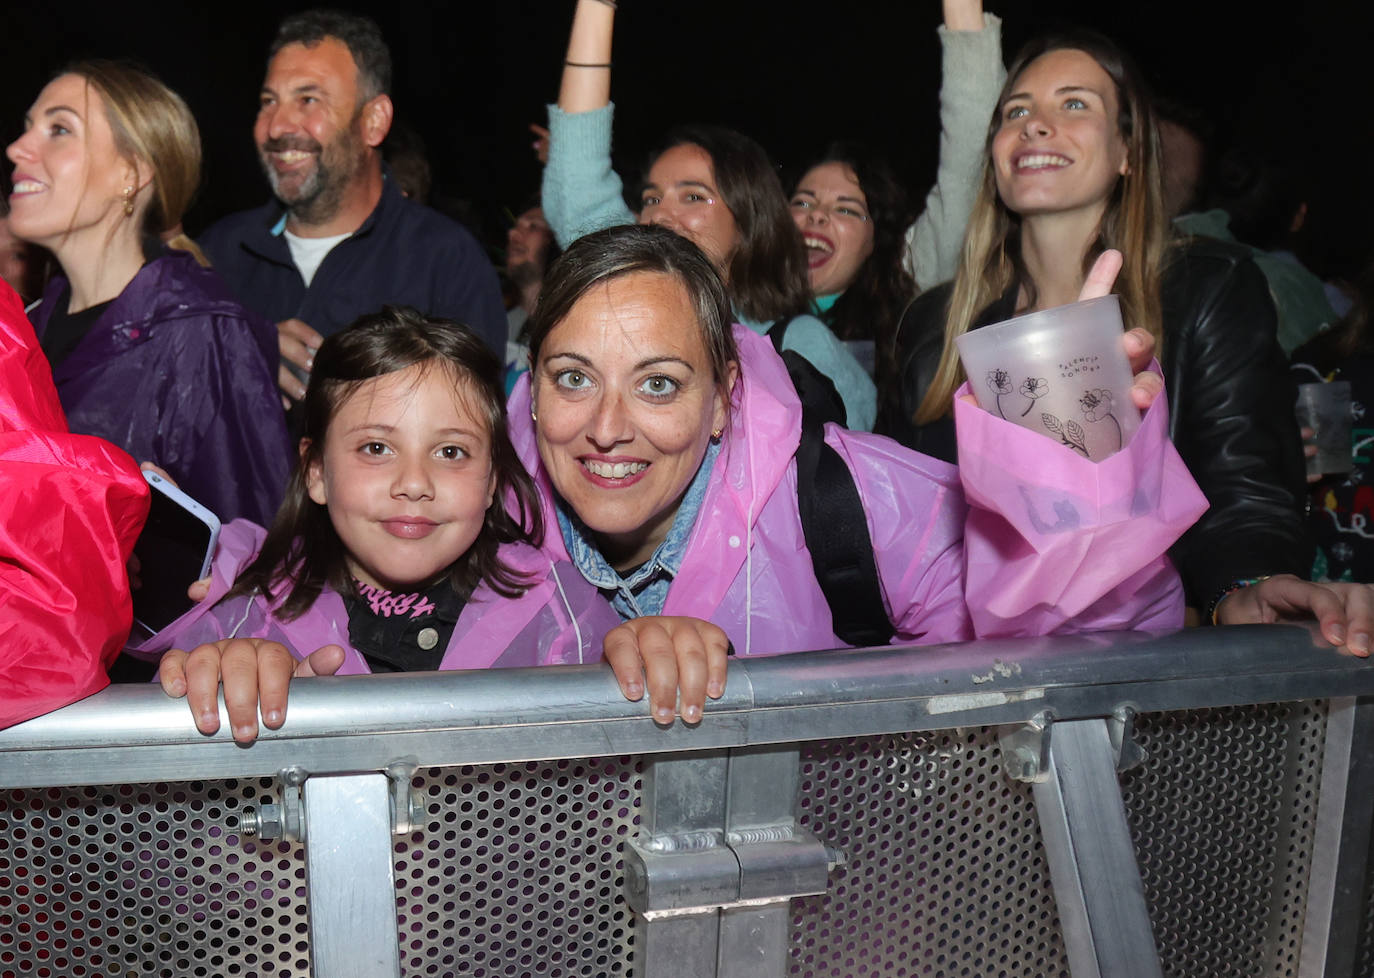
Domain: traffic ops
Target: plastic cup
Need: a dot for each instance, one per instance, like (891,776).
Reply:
(1061,372)
(1325,408)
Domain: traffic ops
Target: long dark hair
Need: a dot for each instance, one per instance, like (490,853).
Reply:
(872,304)
(302,552)
(767,274)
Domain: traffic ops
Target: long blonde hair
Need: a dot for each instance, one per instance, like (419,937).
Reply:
(1134,222)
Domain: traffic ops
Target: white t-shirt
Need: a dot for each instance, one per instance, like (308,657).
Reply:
(308,253)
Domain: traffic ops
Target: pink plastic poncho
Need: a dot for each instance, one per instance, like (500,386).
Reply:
(959,553)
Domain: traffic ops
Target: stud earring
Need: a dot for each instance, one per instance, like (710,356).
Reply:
(716,434)
(128,201)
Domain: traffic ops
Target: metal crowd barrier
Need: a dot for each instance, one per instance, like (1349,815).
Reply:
(1196,804)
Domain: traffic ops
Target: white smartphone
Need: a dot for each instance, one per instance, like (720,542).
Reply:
(174,550)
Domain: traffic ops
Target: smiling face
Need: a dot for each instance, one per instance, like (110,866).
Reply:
(406,475)
(310,131)
(625,404)
(1059,146)
(832,214)
(681,194)
(69,178)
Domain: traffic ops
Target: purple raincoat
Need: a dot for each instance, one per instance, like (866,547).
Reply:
(560,620)
(178,373)
(1051,543)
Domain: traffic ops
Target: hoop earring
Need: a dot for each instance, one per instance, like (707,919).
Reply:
(128,201)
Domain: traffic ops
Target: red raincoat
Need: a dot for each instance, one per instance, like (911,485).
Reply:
(71,507)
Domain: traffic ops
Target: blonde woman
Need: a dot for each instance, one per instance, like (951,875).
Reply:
(148,349)
(1072,170)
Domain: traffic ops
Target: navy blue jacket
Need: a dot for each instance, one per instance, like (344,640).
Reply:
(175,371)
(404,254)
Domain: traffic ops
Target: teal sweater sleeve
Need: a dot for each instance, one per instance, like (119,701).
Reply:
(971,79)
(581,193)
(813,341)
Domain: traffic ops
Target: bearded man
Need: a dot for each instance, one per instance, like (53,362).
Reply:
(340,240)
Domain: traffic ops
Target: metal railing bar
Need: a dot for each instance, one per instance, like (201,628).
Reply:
(135,733)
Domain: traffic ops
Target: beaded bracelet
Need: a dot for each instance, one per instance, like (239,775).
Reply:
(1231,588)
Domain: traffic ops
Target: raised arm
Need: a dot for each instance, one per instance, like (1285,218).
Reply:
(581,193)
(972,76)
(587,70)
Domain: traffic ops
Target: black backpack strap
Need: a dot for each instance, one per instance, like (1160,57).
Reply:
(836,531)
(778,332)
(815,390)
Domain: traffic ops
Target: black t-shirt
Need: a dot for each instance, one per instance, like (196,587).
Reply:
(406,632)
(65,330)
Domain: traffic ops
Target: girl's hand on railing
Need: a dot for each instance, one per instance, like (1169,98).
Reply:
(254,671)
(1345,611)
(681,661)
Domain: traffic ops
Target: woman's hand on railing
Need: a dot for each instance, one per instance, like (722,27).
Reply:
(681,661)
(254,671)
(1345,610)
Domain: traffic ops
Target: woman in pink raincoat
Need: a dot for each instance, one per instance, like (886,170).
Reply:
(663,443)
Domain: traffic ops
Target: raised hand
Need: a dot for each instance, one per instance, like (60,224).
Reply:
(963,15)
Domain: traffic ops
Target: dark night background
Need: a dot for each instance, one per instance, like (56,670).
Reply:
(470,76)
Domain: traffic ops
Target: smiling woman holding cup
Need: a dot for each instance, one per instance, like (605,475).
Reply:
(1073,169)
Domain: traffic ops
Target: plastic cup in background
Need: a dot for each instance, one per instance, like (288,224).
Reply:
(1061,372)
(1325,408)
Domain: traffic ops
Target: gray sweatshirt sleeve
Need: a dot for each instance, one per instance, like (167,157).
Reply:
(581,193)
(972,76)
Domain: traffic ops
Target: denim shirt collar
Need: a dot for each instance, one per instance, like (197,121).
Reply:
(645,590)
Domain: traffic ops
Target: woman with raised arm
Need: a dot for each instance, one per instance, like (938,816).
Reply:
(865,264)
(712,185)
(1072,169)
(148,349)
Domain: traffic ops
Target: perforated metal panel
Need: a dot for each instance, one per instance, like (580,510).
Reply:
(945,874)
(517,872)
(1364,957)
(146,880)
(1223,814)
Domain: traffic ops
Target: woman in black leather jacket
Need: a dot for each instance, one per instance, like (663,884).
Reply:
(1073,170)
